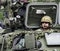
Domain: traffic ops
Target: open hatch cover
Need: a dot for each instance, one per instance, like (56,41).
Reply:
(53,38)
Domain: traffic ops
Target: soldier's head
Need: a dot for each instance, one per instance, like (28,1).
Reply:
(46,21)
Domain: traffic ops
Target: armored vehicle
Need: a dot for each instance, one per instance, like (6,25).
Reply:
(25,39)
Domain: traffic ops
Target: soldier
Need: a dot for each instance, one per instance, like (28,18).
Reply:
(18,22)
(46,23)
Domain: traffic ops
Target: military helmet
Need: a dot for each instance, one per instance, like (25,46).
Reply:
(46,19)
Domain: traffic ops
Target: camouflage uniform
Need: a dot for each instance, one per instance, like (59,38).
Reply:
(43,32)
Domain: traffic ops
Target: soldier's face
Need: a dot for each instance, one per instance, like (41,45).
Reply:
(45,25)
